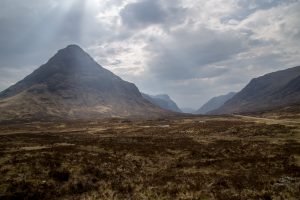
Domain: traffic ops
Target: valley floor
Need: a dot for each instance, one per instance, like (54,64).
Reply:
(234,157)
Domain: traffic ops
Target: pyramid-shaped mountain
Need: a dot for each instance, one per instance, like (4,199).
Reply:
(71,85)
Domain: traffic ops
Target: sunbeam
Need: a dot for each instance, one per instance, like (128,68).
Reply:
(65,22)
(149,99)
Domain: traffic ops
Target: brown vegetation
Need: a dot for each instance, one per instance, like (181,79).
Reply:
(192,158)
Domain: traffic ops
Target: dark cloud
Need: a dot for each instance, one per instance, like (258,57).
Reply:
(141,14)
(191,49)
(144,13)
(185,54)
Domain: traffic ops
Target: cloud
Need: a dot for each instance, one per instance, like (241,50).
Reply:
(191,49)
(33,30)
(184,55)
(144,13)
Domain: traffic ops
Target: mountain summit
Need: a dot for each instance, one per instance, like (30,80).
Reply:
(163,101)
(71,85)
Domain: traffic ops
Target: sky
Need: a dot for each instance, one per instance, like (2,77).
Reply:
(191,50)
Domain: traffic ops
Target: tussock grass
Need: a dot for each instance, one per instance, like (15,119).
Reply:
(196,158)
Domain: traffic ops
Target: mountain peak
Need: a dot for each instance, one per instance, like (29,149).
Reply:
(163,101)
(72,48)
(73,57)
(72,85)
(72,51)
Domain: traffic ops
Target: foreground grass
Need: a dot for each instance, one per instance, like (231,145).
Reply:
(196,158)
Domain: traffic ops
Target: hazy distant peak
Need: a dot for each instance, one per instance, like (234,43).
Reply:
(215,103)
(163,101)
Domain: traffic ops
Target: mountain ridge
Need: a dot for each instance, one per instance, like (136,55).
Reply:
(72,85)
(163,101)
(214,103)
(270,91)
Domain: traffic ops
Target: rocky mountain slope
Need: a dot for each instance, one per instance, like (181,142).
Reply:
(214,103)
(271,91)
(71,85)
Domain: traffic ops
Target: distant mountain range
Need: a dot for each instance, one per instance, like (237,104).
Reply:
(214,103)
(163,101)
(271,91)
(71,85)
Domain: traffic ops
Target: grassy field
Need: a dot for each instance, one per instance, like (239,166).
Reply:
(184,158)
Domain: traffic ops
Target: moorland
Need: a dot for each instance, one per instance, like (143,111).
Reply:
(201,157)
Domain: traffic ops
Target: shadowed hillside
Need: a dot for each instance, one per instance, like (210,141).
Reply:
(71,85)
(215,103)
(273,90)
(163,101)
